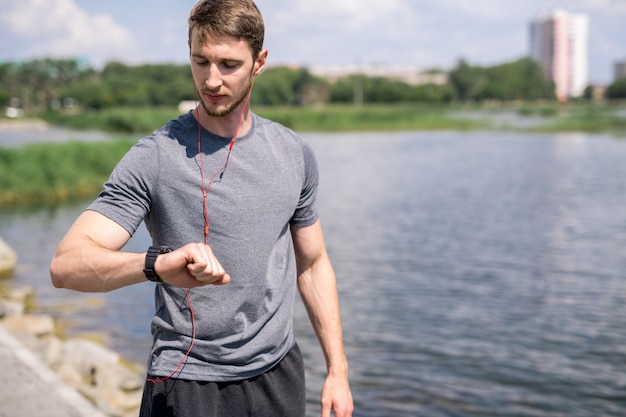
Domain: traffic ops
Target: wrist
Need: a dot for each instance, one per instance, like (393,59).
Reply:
(338,368)
(151,257)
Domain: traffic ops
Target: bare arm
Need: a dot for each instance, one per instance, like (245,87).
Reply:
(318,288)
(89,259)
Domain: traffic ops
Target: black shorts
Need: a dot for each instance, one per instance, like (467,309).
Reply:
(279,392)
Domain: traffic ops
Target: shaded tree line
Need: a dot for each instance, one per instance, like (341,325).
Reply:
(45,84)
(35,84)
(617,90)
(519,80)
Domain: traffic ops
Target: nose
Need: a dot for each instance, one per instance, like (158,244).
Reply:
(214,79)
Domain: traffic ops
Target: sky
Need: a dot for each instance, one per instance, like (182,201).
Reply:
(420,34)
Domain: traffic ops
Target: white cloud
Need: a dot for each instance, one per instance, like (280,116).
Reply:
(61,28)
(491,9)
(419,33)
(615,6)
(349,14)
(341,16)
(343,32)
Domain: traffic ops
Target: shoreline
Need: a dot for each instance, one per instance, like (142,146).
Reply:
(8,259)
(519,116)
(34,388)
(98,380)
(23,125)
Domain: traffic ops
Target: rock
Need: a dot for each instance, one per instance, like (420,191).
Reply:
(8,259)
(99,374)
(88,357)
(16,302)
(11,309)
(28,324)
(92,369)
(52,351)
(25,295)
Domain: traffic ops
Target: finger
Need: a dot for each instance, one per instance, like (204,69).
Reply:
(204,267)
(211,273)
(196,266)
(325,411)
(214,267)
(225,280)
(201,260)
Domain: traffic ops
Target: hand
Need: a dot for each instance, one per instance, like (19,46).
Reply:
(336,396)
(193,265)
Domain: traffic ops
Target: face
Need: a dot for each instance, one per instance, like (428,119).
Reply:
(222,70)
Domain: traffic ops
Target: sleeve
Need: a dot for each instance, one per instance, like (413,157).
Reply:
(306,212)
(127,195)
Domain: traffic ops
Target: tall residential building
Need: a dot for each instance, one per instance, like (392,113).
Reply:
(559,41)
(619,70)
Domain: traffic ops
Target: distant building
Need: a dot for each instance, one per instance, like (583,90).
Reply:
(598,92)
(620,70)
(408,75)
(559,41)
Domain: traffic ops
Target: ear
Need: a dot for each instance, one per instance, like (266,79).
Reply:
(260,62)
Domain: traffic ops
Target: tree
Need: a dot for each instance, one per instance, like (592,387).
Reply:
(343,90)
(469,82)
(522,79)
(518,80)
(37,83)
(7,91)
(432,93)
(617,90)
(281,86)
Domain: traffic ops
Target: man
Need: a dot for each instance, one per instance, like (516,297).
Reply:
(229,201)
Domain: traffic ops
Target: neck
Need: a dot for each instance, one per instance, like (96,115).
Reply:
(238,122)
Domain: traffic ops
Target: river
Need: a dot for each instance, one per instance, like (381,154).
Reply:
(480,273)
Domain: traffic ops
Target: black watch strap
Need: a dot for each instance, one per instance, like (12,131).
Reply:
(151,256)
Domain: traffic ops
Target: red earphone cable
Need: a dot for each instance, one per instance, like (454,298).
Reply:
(193,341)
(205,193)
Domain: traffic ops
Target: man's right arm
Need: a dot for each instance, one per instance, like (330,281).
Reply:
(89,259)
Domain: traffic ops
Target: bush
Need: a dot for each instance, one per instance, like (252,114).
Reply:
(56,172)
(617,90)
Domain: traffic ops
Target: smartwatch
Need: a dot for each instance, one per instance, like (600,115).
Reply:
(151,256)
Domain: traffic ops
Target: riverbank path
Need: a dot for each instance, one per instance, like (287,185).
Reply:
(31,389)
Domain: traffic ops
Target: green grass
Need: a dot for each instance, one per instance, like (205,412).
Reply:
(119,119)
(545,111)
(366,118)
(55,172)
(575,116)
(51,173)
(587,118)
(319,119)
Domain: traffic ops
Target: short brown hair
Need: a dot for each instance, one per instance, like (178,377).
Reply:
(237,18)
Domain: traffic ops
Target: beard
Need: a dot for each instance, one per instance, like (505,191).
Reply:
(221,112)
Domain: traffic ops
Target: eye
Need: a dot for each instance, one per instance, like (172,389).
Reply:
(230,64)
(201,63)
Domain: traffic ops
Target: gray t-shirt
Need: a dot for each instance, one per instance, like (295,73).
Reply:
(245,327)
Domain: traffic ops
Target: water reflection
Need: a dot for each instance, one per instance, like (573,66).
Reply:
(480,273)
(470,257)
(22,133)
